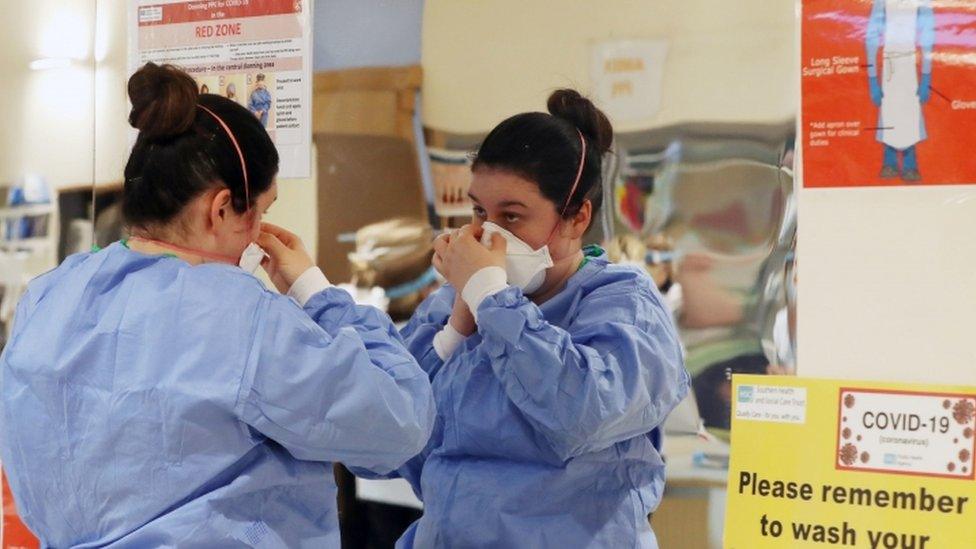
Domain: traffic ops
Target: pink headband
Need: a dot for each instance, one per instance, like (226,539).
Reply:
(579,173)
(572,191)
(240,153)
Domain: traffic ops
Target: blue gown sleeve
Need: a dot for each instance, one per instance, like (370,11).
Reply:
(334,383)
(429,319)
(23,310)
(872,41)
(925,24)
(616,376)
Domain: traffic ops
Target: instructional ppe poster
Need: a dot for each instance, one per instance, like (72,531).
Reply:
(850,464)
(887,94)
(255,52)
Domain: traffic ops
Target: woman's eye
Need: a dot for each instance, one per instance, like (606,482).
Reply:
(478,212)
(511,218)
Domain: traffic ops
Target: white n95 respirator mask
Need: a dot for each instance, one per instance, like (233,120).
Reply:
(252,257)
(526,268)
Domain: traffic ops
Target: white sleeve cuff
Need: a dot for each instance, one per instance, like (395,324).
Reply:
(447,341)
(487,281)
(675,298)
(310,283)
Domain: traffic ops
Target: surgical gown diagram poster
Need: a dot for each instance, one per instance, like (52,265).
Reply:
(887,92)
(254,52)
(829,463)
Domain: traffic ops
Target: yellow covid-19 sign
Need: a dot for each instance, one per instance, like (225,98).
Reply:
(825,463)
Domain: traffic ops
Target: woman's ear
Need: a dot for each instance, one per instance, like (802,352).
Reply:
(220,207)
(577,225)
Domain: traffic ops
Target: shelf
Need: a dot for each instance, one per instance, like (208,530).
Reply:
(26,211)
(462,210)
(26,244)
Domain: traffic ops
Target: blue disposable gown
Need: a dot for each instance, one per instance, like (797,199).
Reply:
(547,417)
(148,403)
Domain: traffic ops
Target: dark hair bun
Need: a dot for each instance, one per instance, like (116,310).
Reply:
(164,101)
(582,113)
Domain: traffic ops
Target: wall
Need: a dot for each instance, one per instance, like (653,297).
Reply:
(112,131)
(366,33)
(487,60)
(47,114)
(885,284)
(348,34)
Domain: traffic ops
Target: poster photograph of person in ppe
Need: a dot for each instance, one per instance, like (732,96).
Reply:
(552,368)
(260,100)
(155,394)
(208,84)
(904,31)
(233,86)
(886,92)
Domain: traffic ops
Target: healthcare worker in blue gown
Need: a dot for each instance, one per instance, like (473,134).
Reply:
(154,394)
(552,369)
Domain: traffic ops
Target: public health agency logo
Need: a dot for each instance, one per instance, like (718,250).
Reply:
(745,393)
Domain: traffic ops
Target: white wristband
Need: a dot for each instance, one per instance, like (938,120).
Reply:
(447,341)
(310,283)
(487,281)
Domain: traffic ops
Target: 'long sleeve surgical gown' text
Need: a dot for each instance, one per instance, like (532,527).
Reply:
(148,403)
(548,416)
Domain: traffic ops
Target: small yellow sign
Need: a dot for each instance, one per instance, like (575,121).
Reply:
(825,463)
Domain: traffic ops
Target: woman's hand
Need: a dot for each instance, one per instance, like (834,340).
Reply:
(440,246)
(461,318)
(288,261)
(461,255)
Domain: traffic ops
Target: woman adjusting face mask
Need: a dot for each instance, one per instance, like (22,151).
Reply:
(197,407)
(228,228)
(526,267)
(542,242)
(542,355)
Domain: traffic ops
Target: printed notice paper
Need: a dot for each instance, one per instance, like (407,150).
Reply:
(254,52)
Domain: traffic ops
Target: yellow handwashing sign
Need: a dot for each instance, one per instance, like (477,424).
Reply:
(824,463)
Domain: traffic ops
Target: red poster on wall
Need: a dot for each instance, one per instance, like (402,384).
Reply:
(14,535)
(888,95)
(255,52)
